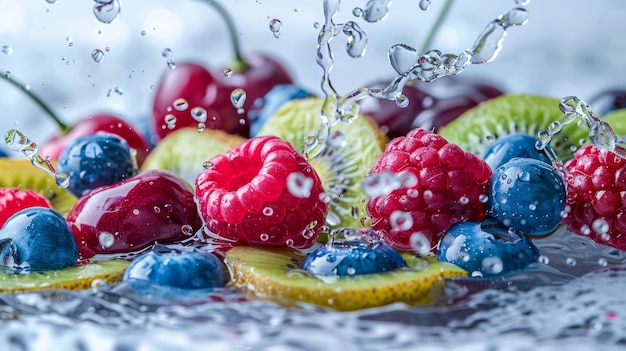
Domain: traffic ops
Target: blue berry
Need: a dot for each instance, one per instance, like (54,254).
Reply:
(178,267)
(510,146)
(3,152)
(353,254)
(37,239)
(527,195)
(486,249)
(95,160)
(265,107)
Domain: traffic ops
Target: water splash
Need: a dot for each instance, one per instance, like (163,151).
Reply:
(407,62)
(107,11)
(19,142)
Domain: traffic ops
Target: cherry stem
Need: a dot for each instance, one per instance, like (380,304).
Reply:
(239,64)
(62,126)
(436,26)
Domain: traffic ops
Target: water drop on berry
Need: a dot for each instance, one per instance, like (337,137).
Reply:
(268,211)
(299,185)
(180,104)
(264,237)
(106,239)
(187,229)
(401,220)
(419,243)
(603,262)
(199,114)
(135,211)
(238,98)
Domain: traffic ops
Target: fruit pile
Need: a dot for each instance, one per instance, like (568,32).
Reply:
(394,204)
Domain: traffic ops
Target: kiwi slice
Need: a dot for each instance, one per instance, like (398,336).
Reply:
(345,161)
(70,278)
(476,129)
(274,273)
(185,151)
(20,173)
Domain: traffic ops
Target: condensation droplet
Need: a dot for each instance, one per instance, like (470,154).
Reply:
(106,239)
(264,237)
(199,114)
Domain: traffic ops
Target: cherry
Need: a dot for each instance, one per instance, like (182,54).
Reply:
(189,86)
(431,105)
(134,214)
(13,200)
(101,122)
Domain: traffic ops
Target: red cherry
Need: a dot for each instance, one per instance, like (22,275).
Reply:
(97,123)
(153,206)
(13,200)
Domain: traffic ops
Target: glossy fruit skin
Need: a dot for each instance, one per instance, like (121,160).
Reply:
(37,239)
(13,200)
(264,107)
(179,267)
(3,152)
(97,123)
(350,258)
(150,207)
(510,146)
(595,194)
(95,160)
(448,188)
(244,197)
(431,105)
(527,195)
(486,249)
(607,101)
(201,88)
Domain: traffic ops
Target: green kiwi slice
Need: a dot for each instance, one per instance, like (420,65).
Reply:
(345,161)
(476,129)
(275,274)
(20,173)
(185,151)
(71,278)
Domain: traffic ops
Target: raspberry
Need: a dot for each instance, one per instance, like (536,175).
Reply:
(13,200)
(262,193)
(596,194)
(449,186)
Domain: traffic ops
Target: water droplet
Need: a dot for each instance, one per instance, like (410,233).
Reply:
(492,265)
(522,2)
(357,12)
(135,211)
(289,242)
(543,259)
(276,26)
(170,120)
(464,200)
(264,237)
(7,50)
(351,271)
(187,229)
(600,226)
(238,98)
(228,72)
(424,5)
(401,220)
(97,55)
(207,165)
(51,1)
(167,53)
(157,209)
(143,33)
(106,239)
(570,261)
(268,211)
(180,104)
(107,11)
(356,39)
(299,185)
(419,243)
(199,114)
(171,64)
(376,10)
(603,262)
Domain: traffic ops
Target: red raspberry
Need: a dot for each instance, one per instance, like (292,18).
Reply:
(13,200)
(447,188)
(244,196)
(596,194)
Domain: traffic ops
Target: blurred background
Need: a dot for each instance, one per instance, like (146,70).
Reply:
(573,47)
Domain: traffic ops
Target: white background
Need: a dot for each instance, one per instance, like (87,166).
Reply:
(568,47)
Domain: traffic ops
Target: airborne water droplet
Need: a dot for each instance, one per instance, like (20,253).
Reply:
(7,50)
(97,55)
(228,72)
(199,114)
(107,11)
(167,53)
(238,98)
(424,5)
(180,104)
(276,26)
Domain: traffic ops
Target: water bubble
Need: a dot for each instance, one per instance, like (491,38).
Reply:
(106,239)
(180,104)
(300,185)
(97,55)
(187,229)
(199,114)
(264,237)
(276,26)
(238,98)
(268,211)
(424,5)
(107,11)
(228,72)
(419,243)
(7,50)
(401,220)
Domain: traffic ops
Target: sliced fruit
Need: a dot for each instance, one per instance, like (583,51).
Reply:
(275,273)
(349,155)
(476,129)
(71,278)
(22,174)
(184,151)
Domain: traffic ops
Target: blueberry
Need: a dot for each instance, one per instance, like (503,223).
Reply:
(37,239)
(353,255)
(486,249)
(510,146)
(3,152)
(178,267)
(263,108)
(95,160)
(527,195)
